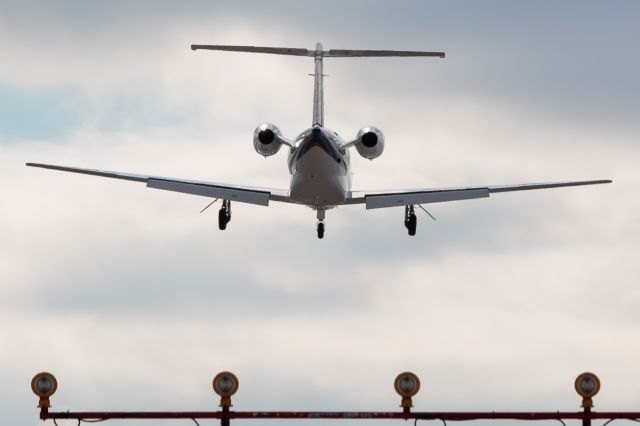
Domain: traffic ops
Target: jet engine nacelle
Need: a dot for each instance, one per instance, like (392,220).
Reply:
(267,139)
(370,142)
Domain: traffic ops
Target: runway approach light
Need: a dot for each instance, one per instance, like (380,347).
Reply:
(225,384)
(407,385)
(44,385)
(587,385)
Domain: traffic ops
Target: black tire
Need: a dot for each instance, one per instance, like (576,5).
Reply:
(412,224)
(222,219)
(320,230)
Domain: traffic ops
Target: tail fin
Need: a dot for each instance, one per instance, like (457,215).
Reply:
(318,54)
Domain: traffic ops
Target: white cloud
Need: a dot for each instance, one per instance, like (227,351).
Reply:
(134,299)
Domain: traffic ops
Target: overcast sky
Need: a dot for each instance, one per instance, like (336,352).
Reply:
(135,301)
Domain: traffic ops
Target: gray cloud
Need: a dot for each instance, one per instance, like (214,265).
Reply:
(572,63)
(135,300)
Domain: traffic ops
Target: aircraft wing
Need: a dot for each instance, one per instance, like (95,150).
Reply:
(376,200)
(242,194)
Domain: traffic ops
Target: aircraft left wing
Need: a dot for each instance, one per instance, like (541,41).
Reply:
(242,194)
(376,200)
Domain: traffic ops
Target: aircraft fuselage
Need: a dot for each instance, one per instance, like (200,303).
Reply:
(320,169)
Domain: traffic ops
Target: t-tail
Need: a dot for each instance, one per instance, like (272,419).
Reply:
(318,54)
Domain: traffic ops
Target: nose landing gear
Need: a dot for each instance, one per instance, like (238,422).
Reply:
(320,227)
(224,215)
(410,220)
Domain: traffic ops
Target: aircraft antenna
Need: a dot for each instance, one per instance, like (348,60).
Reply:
(209,205)
(426,211)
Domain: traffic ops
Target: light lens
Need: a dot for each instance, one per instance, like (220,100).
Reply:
(225,384)
(44,384)
(587,384)
(407,384)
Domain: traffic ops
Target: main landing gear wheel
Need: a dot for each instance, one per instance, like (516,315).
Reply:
(224,215)
(321,230)
(410,220)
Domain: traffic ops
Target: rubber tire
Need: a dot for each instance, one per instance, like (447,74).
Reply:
(321,230)
(412,224)
(222,219)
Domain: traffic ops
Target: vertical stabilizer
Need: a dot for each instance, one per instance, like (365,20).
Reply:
(318,88)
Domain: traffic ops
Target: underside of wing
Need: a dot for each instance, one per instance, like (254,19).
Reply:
(243,194)
(382,199)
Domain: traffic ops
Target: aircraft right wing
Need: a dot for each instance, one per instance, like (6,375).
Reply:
(382,199)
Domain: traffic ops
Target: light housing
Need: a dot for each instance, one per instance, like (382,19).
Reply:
(225,384)
(407,385)
(587,385)
(44,385)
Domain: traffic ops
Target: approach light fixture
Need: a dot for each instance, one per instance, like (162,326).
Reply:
(44,385)
(407,385)
(225,384)
(587,385)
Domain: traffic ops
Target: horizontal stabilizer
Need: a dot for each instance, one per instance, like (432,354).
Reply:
(333,53)
(255,49)
(342,53)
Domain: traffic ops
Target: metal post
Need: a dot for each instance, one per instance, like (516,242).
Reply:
(44,412)
(586,420)
(224,420)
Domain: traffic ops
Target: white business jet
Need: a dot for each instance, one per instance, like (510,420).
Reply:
(318,160)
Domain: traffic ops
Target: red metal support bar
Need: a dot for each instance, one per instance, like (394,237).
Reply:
(369,415)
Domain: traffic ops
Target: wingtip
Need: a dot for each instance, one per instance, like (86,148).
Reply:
(44,166)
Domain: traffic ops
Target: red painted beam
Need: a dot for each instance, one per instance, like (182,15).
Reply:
(381,415)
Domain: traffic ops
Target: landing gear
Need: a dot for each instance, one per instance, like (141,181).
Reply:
(224,215)
(320,227)
(410,220)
